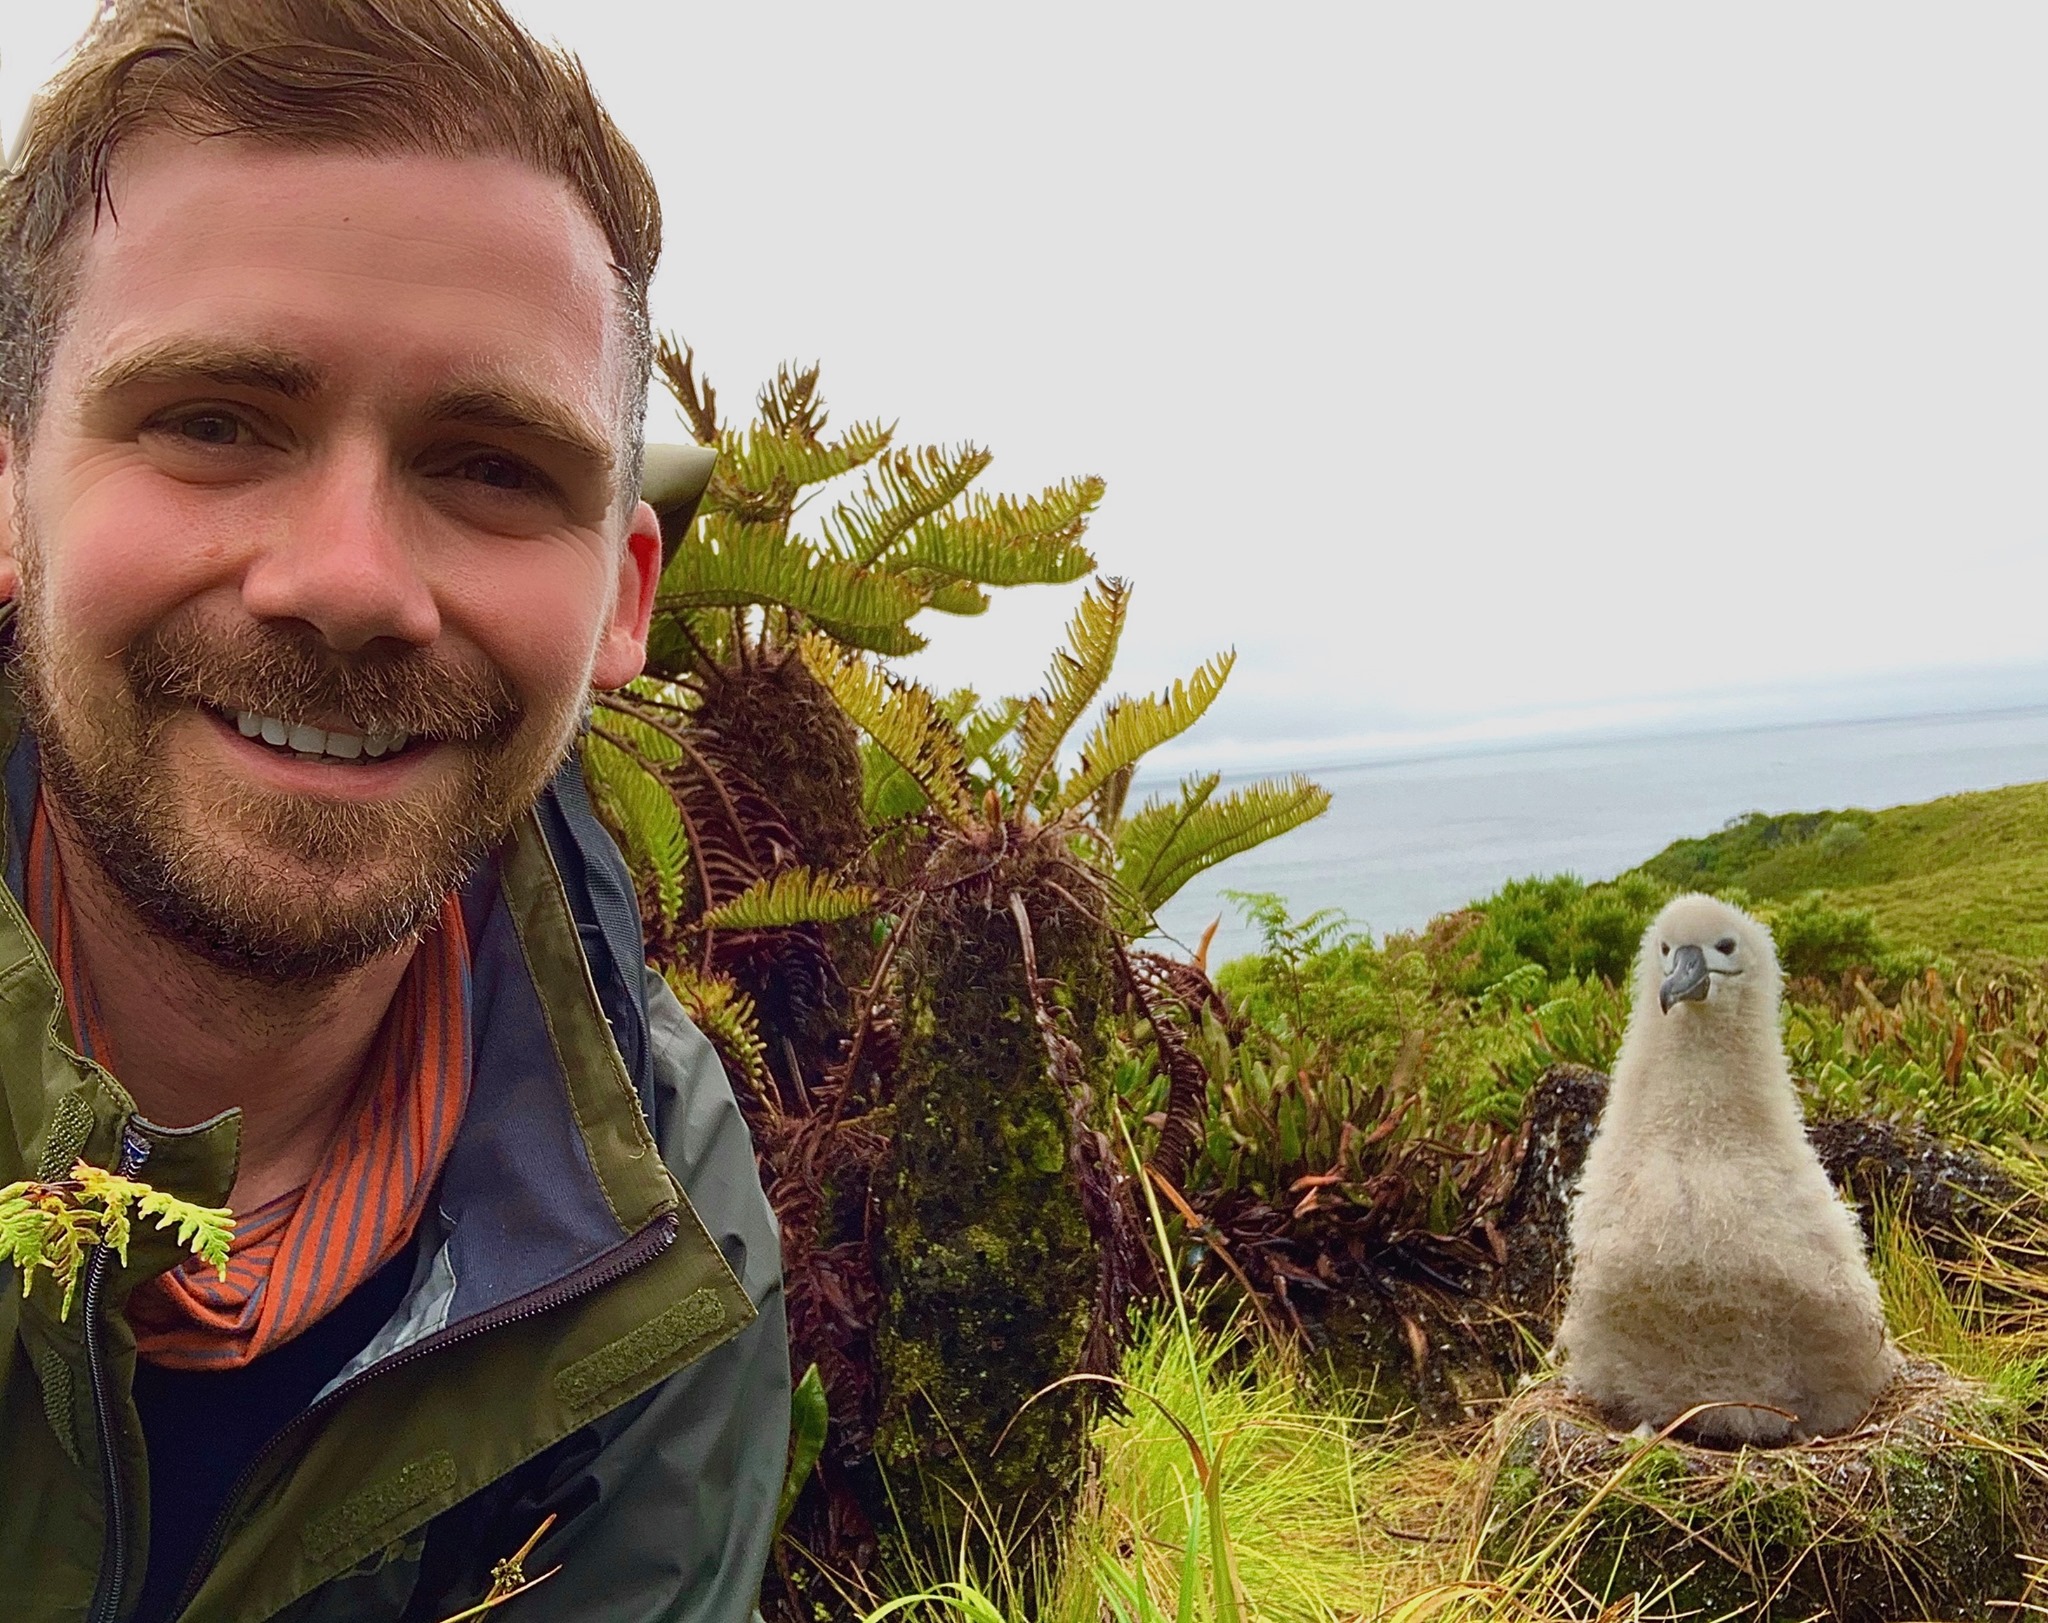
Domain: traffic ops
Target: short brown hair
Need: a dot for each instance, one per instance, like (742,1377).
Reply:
(457,78)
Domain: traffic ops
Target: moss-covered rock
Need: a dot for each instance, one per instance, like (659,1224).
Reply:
(987,1262)
(1917,1514)
(1945,1192)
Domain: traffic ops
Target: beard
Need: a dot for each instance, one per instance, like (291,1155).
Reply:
(272,886)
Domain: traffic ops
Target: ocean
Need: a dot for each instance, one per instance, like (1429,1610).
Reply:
(1405,840)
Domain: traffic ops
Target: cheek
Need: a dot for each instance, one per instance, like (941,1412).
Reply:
(534,611)
(106,573)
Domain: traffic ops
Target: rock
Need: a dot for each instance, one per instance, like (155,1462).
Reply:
(1945,1191)
(1916,1514)
(1559,1119)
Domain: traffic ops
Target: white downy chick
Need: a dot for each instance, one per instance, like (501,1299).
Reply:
(1711,1258)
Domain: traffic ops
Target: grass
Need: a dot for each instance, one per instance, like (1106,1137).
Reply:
(1965,876)
(1236,1482)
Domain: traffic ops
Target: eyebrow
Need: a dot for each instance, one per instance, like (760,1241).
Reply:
(511,409)
(195,360)
(485,403)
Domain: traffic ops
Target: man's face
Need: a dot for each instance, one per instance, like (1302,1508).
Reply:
(326,456)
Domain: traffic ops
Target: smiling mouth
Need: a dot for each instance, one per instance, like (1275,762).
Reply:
(311,743)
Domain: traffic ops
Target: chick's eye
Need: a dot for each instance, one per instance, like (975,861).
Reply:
(1725,946)
(1665,948)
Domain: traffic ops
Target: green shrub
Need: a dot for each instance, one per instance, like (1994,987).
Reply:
(1820,941)
(1719,860)
(1562,925)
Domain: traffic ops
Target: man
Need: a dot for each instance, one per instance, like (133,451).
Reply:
(323,358)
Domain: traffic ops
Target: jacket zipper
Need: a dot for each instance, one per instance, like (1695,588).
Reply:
(114,1540)
(615,1264)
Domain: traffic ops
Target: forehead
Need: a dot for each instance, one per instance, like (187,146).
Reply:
(388,272)
(1697,919)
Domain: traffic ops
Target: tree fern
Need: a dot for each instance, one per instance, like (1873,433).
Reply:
(792,896)
(903,489)
(903,720)
(759,461)
(733,565)
(637,806)
(727,1016)
(1077,674)
(1167,842)
(888,793)
(985,730)
(1130,727)
(1004,541)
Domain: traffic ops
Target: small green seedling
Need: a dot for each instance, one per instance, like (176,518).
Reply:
(57,1225)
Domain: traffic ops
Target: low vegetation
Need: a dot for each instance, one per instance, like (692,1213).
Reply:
(1003,1139)
(1961,877)
(1356,1080)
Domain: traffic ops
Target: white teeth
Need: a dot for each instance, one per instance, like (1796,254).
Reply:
(399,741)
(311,743)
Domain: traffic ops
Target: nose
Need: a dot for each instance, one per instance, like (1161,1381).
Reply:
(341,561)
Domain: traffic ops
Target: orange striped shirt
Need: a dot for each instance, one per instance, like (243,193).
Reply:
(297,1256)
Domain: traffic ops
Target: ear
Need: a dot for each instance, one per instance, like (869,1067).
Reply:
(622,646)
(10,565)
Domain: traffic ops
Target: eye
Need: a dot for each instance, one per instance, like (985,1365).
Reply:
(500,472)
(1725,946)
(208,427)
(1665,948)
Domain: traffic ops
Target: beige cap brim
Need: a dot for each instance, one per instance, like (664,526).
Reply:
(673,482)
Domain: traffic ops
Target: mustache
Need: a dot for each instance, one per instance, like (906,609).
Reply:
(294,675)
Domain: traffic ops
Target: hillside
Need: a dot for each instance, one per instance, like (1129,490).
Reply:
(1966,875)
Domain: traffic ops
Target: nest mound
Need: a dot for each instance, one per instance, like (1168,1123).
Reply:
(1918,1513)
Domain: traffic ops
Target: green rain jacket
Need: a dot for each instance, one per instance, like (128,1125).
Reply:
(594,1326)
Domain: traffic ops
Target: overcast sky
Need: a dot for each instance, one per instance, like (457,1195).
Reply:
(1473,369)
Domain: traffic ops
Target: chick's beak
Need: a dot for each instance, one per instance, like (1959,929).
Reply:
(1687,982)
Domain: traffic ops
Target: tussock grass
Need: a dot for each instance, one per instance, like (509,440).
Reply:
(1917,1506)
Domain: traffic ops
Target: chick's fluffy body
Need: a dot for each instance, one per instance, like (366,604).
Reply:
(1712,1260)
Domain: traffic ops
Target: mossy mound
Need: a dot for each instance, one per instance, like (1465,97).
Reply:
(986,1258)
(1918,1513)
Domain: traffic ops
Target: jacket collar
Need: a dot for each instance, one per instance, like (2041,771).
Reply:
(554,1168)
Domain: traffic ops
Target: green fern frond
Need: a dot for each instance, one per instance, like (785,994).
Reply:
(1077,674)
(887,792)
(1167,842)
(1007,541)
(902,718)
(734,565)
(650,741)
(637,807)
(984,730)
(791,896)
(949,596)
(891,641)
(56,1226)
(683,641)
(762,462)
(789,403)
(902,490)
(726,1015)
(208,1232)
(1130,727)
